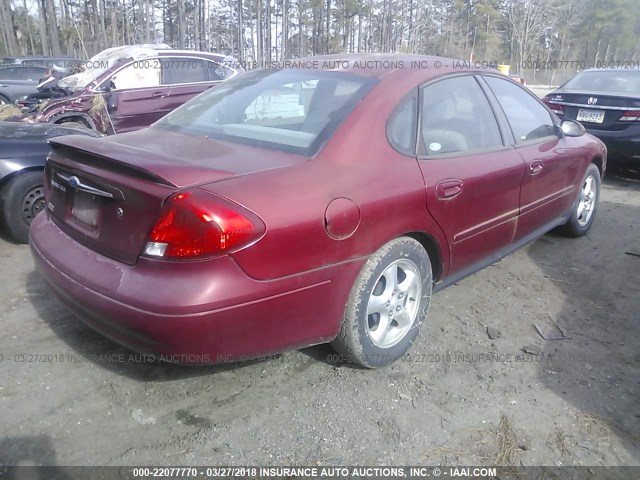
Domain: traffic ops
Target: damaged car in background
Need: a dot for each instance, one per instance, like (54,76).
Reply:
(125,88)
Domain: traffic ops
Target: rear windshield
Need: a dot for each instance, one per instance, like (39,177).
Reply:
(614,81)
(291,110)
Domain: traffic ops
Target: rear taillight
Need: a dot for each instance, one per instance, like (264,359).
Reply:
(554,107)
(199,224)
(630,116)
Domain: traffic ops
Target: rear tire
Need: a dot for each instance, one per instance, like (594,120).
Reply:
(4,100)
(583,211)
(22,199)
(387,305)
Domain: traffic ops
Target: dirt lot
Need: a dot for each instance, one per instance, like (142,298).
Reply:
(459,398)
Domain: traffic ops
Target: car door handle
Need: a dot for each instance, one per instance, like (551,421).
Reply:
(3,85)
(536,166)
(449,188)
(159,94)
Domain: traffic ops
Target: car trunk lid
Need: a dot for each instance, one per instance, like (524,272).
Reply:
(108,193)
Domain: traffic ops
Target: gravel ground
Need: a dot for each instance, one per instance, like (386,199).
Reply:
(460,397)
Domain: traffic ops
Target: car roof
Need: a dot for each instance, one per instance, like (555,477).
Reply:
(185,53)
(381,65)
(37,57)
(20,65)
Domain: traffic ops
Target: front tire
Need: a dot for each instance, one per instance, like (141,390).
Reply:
(584,208)
(387,305)
(22,200)
(75,124)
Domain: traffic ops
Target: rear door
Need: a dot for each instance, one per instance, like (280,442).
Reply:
(140,99)
(472,174)
(548,187)
(187,77)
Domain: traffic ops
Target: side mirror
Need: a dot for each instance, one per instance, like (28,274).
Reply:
(112,102)
(572,128)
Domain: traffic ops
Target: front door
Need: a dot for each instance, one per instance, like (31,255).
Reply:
(140,98)
(548,186)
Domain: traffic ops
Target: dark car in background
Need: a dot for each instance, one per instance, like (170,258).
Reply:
(62,63)
(23,154)
(19,81)
(607,103)
(130,87)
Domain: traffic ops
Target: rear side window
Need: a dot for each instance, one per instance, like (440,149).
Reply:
(218,71)
(401,130)
(32,73)
(184,70)
(289,110)
(529,119)
(456,118)
(8,74)
(22,73)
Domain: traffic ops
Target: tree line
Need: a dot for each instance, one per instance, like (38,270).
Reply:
(550,33)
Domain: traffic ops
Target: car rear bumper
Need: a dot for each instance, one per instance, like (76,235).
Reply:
(624,143)
(191,312)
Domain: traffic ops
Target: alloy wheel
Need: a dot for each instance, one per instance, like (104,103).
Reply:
(587,200)
(394,303)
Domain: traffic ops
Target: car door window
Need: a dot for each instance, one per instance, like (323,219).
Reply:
(139,74)
(401,130)
(32,73)
(22,73)
(184,70)
(9,73)
(218,71)
(456,117)
(529,119)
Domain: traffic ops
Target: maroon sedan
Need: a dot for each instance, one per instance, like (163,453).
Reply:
(293,207)
(130,87)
